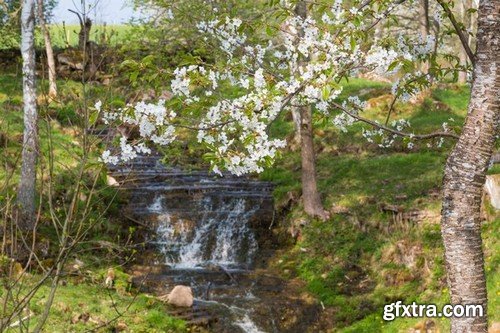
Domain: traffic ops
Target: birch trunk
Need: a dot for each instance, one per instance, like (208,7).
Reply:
(26,191)
(465,175)
(51,64)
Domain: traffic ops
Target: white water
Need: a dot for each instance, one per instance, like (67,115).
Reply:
(247,325)
(221,237)
(243,320)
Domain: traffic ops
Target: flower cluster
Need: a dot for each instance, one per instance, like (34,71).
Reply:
(303,68)
(153,121)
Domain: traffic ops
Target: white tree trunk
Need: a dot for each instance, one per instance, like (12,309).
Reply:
(26,191)
(51,64)
(465,174)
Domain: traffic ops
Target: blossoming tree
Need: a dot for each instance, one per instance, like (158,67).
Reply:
(300,63)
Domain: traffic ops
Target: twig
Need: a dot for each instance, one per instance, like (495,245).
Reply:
(458,30)
(393,131)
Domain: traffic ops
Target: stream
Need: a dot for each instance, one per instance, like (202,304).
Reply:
(213,234)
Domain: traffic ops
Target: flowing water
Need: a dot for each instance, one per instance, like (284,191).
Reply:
(209,233)
(221,236)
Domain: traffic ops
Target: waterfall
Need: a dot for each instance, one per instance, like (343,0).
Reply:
(203,231)
(219,234)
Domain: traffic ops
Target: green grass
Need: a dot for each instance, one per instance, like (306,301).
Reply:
(352,261)
(67,35)
(140,313)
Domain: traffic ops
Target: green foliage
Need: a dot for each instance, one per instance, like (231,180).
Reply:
(84,294)
(10,24)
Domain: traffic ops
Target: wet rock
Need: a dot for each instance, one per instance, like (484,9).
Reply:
(181,296)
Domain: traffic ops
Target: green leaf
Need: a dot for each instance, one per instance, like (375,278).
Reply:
(93,117)
(325,92)
(393,65)
(353,43)
(133,76)
(269,31)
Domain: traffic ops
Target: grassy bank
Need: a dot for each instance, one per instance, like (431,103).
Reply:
(383,241)
(82,302)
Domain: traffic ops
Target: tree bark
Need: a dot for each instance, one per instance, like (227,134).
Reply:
(310,195)
(424,27)
(51,64)
(462,75)
(296,125)
(84,34)
(26,191)
(465,175)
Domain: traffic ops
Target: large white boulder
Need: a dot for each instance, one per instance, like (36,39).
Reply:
(181,296)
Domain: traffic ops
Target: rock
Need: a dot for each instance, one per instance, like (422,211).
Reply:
(495,328)
(426,326)
(492,187)
(111,181)
(110,278)
(121,326)
(72,59)
(181,296)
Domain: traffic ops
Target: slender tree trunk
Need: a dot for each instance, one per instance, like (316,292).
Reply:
(462,75)
(310,195)
(424,26)
(51,64)
(465,175)
(296,124)
(26,192)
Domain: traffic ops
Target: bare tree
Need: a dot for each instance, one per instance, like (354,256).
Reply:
(51,64)
(27,184)
(85,27)
(465,175)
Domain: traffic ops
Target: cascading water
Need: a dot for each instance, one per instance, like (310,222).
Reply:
(221,235)
(208,233)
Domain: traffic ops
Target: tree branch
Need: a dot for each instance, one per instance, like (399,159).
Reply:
(458,30)
(393,131)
